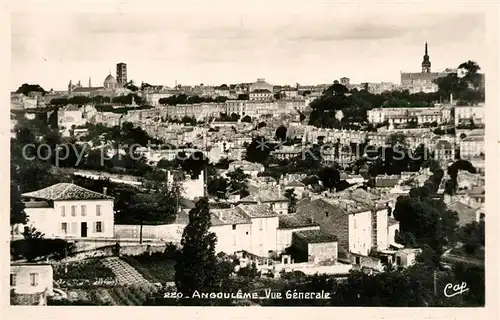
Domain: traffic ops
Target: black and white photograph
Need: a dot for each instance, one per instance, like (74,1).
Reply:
(248,154)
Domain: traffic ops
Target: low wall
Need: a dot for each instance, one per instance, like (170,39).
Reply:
(164,232)
(307,268)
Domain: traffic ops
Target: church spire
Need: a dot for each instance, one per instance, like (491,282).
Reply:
(90,82)
(426,64)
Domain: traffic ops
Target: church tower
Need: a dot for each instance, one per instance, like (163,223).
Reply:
(426,64)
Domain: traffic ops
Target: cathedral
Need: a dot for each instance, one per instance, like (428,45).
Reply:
(423,81)
(111,88)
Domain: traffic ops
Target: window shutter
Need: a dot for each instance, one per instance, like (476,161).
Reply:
(95,227)
(102,226)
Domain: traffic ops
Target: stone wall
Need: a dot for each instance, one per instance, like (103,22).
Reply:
(321,252)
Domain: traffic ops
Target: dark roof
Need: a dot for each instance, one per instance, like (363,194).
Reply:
(87,89)
(295,221)
(261,91)
(316,236)
(65,191)
(26,299)
(386,182)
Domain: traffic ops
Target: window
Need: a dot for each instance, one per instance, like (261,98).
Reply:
(12,279)
(98,226)
(63,211)
(326,214)
(247,233)
(64,227)
(260,224)
(84,210)
(73,211)
(34,279)
(98,210)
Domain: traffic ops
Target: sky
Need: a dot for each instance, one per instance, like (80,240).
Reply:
(210,43)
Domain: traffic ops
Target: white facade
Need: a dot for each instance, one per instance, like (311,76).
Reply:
(382,230)
(468,113)
(73,219)
(68,117)
(190,188)
(472,146)
(31,278)
(285,236)
(233,238)
(360,233)
(264,235)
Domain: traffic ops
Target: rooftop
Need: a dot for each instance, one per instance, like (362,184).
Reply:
(265,195)
(228,216)
(295,221)
(316,236)
(257,210)
(65,191)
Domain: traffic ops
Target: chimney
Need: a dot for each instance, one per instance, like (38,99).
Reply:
(105,191)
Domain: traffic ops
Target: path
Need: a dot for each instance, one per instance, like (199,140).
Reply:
(125,273)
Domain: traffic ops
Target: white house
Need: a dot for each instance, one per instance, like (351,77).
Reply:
(250,168)
(190,188)
(233,230)
(264,228)
(31,283)
(65,210)
(69,116)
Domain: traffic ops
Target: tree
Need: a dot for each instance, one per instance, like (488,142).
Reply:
(26,89)
(17,214)
(281,133)
(258,150)
(329,177)
(246,119)
(196,268)
(238,182)
(292,200)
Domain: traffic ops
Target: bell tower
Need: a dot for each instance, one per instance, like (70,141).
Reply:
(426,64)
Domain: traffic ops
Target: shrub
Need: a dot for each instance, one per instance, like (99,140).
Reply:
(32,249)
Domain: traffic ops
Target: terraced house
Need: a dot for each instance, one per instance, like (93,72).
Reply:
(65,210)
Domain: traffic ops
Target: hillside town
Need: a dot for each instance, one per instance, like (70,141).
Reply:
(127,193)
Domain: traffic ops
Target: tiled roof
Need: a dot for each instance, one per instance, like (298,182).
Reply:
(261,91)
(257,210)
(295,221)
(66,191)
(26,299)
(265,195)
(316,236)
(228,216)
(386,182)
(295,183)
